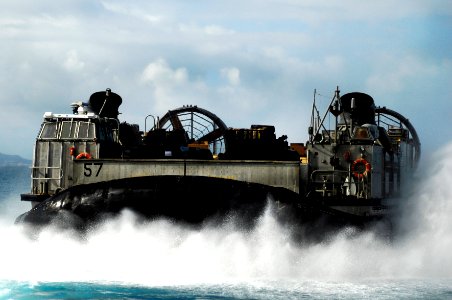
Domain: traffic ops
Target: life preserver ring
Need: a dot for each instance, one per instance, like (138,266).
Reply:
(360,168)
(83,155)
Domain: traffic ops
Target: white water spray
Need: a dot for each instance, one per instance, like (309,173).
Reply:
(161,253)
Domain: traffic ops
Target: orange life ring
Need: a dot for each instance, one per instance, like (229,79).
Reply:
(83,155)
(360,167)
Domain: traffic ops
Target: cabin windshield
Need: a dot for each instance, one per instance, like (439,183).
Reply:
(361,133)
(67,130)
(48,131)
(366,132)
(106,132)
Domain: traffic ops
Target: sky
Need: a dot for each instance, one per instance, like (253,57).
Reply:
(249,62)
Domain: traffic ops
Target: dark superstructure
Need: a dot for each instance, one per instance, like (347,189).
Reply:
(191,166)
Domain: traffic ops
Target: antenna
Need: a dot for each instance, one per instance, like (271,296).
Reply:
(107,94)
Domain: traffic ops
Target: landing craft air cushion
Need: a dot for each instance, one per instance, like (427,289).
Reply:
(190,166)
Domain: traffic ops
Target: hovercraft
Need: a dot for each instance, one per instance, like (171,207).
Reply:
(191,166)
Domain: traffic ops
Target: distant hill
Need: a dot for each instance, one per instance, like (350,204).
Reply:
(13,160)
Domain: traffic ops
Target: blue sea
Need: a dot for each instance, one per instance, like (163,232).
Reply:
(160,259)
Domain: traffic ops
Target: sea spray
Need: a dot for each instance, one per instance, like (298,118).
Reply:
(163,253)
(426,222)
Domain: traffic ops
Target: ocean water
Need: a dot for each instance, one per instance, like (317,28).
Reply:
(159,259)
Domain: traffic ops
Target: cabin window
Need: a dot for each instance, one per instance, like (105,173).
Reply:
(361,133)
(105,134)
(86,130)
(68,130)
(48,131)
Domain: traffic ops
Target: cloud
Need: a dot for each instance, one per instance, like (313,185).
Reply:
(159,73)
(132,11)
(217,30)
(394,74)
(232,75)
(171,87)
(73,62)
(248,62)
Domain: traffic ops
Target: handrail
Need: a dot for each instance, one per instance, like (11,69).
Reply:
(47,178)
(145,122)
(327,172)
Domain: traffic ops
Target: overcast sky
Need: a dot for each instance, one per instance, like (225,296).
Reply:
(249,62)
